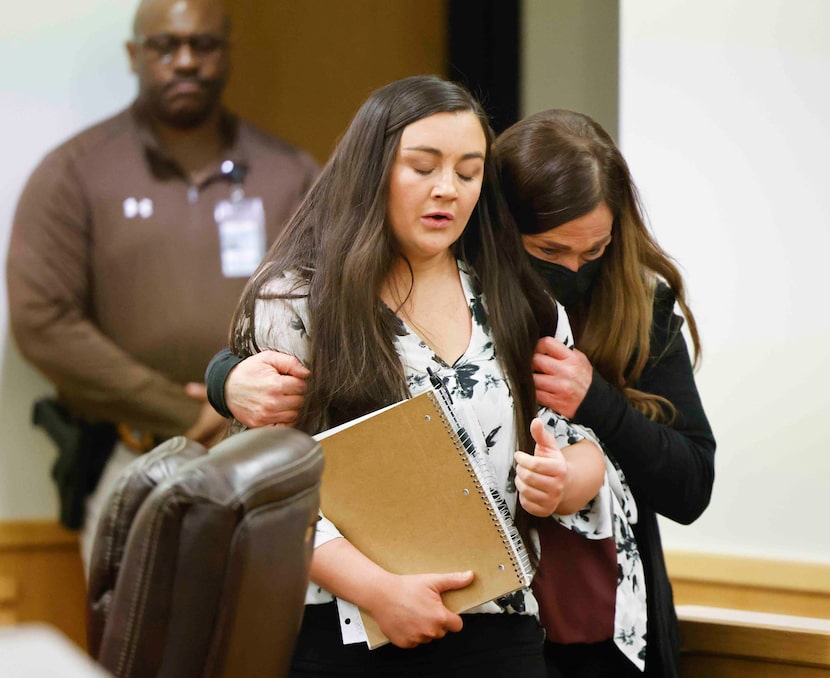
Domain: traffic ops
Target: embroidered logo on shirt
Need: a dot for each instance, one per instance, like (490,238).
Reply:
(138,208)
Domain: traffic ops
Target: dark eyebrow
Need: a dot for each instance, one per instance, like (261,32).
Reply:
(436,152)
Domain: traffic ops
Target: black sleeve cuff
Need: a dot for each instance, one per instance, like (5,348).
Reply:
(599,403)
(216,375)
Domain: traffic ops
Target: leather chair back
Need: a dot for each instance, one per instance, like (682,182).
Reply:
(129,492)
(212,576)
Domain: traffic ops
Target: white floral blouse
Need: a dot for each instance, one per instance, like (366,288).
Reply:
(475,381)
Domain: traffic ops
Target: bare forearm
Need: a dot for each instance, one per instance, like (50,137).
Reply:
(586,471)
(345,572)
(407,608)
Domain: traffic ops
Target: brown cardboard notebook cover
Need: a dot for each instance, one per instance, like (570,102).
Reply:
(399,486)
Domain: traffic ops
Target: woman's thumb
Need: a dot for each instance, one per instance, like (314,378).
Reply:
(545,441)
(454,580)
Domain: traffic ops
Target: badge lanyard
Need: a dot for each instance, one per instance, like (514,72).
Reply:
(241,223)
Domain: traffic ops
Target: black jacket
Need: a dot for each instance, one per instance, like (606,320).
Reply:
(670,469)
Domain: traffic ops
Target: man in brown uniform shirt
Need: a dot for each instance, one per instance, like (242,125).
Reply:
(133,240)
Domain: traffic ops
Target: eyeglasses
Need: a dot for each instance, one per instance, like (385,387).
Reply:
(164,46)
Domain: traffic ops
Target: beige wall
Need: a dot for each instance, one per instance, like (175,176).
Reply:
(570,58)
(724,125)
(724,119)
(65,67)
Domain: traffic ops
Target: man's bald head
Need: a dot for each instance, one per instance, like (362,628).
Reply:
(180,55)
(150,12)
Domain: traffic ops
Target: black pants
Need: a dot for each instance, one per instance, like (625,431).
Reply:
(489,645)
(588,660)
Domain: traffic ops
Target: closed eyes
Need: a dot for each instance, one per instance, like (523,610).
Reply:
(427,172)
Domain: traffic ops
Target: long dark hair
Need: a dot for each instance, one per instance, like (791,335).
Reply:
(558,165)
(339,243)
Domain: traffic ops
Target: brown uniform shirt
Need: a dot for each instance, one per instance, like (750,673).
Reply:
(115,285)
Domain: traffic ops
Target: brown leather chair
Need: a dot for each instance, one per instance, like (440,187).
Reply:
(201,561)
(132,488)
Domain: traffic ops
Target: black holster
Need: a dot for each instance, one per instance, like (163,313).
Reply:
(83,450)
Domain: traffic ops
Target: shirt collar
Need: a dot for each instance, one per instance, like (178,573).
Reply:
(164,167)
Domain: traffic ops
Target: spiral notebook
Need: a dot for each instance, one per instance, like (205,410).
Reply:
(407,487)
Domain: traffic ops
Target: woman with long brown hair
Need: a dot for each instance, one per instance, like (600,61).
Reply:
(631,379)
(402,262)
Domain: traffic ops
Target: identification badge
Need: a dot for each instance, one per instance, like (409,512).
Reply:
(241,235)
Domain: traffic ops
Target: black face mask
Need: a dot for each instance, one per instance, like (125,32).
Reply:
(569,287)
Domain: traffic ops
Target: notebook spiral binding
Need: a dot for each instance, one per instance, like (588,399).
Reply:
(481,473)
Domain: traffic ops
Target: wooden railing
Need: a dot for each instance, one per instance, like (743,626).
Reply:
(719,642)
(759,584)
(8,600)
(41,577)
(751,617)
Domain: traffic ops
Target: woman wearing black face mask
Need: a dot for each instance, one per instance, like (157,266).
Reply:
(631,380)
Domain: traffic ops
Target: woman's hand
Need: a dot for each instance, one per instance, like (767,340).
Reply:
(409,609)
(558,481)
(562,376)
(541,478)
(268,388)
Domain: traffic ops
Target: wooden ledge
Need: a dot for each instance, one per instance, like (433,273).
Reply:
(38,534)
(8,600)
(749,572)
(743,634)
